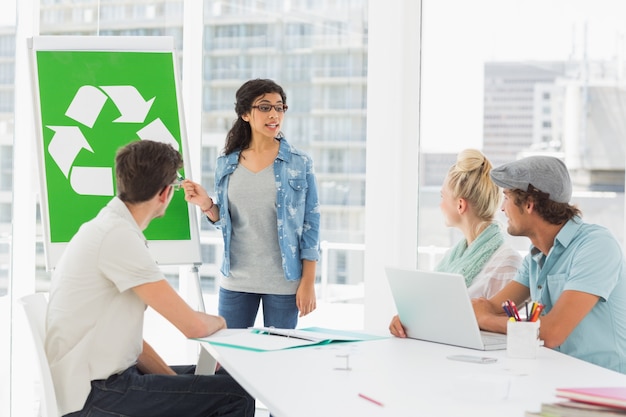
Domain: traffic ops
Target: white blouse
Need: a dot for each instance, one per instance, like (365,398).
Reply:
(497,272)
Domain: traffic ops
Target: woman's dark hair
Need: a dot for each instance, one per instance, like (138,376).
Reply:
(145,167)
(240,135)
(550,211)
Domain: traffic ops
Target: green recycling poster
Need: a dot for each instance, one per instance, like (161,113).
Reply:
(94,95)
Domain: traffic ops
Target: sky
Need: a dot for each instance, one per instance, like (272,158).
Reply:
(458,36)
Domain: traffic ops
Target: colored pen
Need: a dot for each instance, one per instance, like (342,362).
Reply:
(514,308)
(370,399)
(533,308)
(537,312)
(511,310)
(532,311)
(506,309)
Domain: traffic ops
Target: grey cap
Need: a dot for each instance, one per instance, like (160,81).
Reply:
(546,173)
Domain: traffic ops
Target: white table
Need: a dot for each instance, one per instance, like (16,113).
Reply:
(409,378)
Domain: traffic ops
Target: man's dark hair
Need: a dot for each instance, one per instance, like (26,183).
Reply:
(550,211)
(145,167)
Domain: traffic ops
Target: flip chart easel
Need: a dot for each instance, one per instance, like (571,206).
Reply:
(93,95)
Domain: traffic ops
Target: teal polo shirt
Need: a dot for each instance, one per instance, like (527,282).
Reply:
(588,258)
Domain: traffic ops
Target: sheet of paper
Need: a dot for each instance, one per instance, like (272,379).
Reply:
(266,338)
(316,334)
(246,339)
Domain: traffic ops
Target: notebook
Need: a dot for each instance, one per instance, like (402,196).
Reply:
(607,396)
(435,306)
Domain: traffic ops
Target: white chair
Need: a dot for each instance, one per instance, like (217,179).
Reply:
(35,306)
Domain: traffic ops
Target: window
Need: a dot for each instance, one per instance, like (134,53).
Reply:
(5,213)
(208,254)
(525,91)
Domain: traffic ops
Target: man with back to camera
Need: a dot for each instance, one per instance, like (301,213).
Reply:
(575,269)
(100,364)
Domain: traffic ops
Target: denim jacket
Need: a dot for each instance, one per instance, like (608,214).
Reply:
(297,207)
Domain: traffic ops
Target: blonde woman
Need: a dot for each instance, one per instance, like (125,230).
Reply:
(469,201)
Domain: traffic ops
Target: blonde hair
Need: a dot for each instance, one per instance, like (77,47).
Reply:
(469,178)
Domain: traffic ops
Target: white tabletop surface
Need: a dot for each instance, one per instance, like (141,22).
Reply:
(408,377)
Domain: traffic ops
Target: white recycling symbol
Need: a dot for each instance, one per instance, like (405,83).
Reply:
(85,108)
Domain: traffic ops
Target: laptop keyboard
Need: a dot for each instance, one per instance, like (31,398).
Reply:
(493,338)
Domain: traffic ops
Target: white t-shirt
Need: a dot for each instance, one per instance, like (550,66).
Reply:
(94,320)
(496,273)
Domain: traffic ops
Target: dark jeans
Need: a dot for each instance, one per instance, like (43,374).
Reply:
(133,394)
(239,309)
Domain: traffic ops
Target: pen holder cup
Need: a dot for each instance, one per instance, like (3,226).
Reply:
(522,339)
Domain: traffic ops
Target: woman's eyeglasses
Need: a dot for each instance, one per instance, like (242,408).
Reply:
(266,108)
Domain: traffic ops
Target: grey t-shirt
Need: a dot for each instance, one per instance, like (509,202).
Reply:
(256,261)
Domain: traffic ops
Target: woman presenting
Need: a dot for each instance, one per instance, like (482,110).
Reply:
(268,210)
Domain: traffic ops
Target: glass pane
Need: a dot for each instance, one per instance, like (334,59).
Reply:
(514,78)
(7,122)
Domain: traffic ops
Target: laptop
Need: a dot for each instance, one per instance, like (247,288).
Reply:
(435,306)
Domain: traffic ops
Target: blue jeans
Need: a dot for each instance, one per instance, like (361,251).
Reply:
(133,394)
(239,309)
